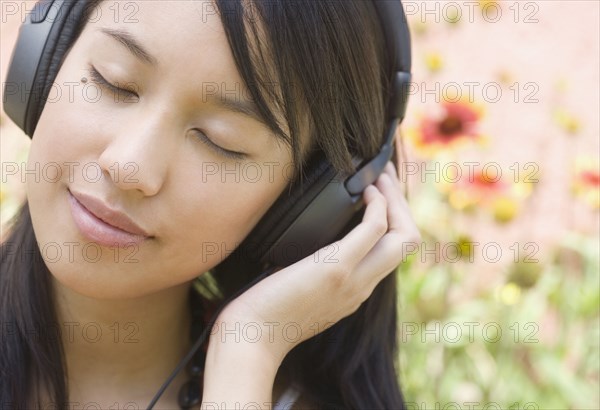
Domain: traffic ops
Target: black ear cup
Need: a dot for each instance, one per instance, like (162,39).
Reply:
(61,38)
(255,254)
(287,208)
(306,217)
(44,39)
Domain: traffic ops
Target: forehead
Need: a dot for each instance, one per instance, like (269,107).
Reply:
(186,34)
(188,43)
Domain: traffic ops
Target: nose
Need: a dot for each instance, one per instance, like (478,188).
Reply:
(138,154)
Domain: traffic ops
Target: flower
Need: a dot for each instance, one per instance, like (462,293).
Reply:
(505,77)
(567,121)
(466,246)
(453,15)
(418,26)
(472,187)
(434,62)
(469,188)
(510,293)
(455,123)
(488,3)
(586,181)
(505,209)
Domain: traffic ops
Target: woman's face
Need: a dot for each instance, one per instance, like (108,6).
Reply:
(145,155)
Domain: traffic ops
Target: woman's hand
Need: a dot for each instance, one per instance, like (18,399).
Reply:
(299,301)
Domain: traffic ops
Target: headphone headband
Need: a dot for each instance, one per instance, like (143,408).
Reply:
(395,28)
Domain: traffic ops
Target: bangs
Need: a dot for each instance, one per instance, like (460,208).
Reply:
(252,28)
(317,71)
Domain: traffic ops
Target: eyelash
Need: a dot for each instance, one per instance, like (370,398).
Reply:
(100,80)
(220,150)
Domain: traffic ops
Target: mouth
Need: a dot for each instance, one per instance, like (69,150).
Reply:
(99,223)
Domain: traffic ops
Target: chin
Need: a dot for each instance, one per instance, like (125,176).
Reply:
(94,283)
(112,282)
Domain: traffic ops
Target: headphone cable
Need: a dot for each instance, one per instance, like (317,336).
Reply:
(203,336)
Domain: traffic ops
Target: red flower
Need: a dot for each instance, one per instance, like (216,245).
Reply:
(586,181)
(454,124)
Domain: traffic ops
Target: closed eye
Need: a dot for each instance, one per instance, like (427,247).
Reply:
(100,80)
(103,82)
(220,150)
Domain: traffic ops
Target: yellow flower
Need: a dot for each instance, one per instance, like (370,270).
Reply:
(505,209)
(505,77)
(453,15)
(465,244)
(487,3)
(418,26)
(434,62)
(510,294)
(567,121)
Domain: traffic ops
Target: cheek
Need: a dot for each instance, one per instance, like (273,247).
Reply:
(45,172)
(74,118)
(67,141)
(213,217)
(62,146)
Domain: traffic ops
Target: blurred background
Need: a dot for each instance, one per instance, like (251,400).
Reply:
(499,305)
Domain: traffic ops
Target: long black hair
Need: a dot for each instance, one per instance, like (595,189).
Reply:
(329,61)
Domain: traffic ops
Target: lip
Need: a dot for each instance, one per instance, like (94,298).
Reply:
(102,224)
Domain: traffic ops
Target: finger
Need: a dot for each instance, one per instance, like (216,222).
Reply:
(399,214)
(400,219)
(390,251)
(391,169)
(383,258)
(358,242)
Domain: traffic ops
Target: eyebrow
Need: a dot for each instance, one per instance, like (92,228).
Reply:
(244,107)
(132,44)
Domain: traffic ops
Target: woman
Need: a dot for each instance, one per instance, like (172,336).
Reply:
(169,104)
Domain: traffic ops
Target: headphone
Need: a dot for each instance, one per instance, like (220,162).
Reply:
(303,219)
(308,217)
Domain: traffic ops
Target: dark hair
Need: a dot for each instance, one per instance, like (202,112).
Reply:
(329,61)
